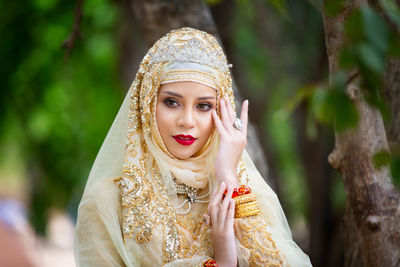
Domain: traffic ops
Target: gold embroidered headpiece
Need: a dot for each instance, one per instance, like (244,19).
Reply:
(190,45)
(189,72)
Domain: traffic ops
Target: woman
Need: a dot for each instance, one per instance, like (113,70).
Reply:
(164,189)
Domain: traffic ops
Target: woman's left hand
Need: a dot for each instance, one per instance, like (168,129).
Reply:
(232,141)
(221,210)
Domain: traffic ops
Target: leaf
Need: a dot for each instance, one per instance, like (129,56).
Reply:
(381,158)
(339,81)
(319,106)
(213,2)
(333,7)
(311,127)
(376,30)
(394,45)
(371,58)
(344,112)
(301,94)
(280,6)
(318,4)
(354,27)
(45,5)
(395,169)
(348,58)
(334,105)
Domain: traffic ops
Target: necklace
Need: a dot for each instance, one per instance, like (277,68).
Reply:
(191,197)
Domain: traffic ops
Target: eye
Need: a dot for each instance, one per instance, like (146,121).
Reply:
(204,106)
(171,103)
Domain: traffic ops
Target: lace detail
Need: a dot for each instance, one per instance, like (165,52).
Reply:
(195,235)
(255,237)
(145,204)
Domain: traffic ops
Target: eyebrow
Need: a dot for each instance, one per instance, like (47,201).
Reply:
(178,95)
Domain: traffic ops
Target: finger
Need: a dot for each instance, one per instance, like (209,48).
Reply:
(225,118)
(244,115)
(218,124)
(214,217)
(231,214)
(231,112)
(223,209)
(211,198)
(214,203)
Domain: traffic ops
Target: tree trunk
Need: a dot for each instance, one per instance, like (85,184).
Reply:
(158,17)
(373,211)
(391,94)
(131,47)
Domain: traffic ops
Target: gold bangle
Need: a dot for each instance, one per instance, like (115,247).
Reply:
(246,214)
(247,209)
(246,206)
(244,199)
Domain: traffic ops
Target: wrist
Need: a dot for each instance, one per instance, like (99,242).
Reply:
(230,263)
(230,181)
(229,178)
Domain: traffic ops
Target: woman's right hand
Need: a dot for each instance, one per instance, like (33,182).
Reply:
(232,141)
(221,211)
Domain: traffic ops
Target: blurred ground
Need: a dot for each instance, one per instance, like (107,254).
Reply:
(21,247)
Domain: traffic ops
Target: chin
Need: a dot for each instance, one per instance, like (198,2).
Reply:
(183,156)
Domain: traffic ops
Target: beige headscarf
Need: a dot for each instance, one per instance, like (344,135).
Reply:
(194,171)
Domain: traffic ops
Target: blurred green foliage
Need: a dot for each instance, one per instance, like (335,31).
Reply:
(276,50)
(56,111)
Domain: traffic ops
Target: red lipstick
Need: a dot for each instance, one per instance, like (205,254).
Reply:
(185,140)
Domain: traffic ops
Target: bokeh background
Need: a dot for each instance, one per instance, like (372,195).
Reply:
(57,106)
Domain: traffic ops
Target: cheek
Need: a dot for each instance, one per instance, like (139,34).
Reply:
(207,124)
(161,118)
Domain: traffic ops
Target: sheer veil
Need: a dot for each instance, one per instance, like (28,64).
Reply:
(126,206)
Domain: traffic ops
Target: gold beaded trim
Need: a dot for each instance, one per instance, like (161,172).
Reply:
(189,75)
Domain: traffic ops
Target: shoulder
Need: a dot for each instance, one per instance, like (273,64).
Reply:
(100,195)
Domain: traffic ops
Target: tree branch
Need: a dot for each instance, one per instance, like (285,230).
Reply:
(76,33)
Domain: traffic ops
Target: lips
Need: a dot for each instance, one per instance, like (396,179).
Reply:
(185,140)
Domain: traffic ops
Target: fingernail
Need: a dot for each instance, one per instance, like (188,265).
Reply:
(223,183)
(246,101)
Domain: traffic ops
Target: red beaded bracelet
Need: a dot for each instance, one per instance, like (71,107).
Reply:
(210,263)
(242,190)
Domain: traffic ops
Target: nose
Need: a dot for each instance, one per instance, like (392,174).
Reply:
(186,118)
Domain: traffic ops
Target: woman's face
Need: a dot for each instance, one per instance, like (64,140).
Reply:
(183,115)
